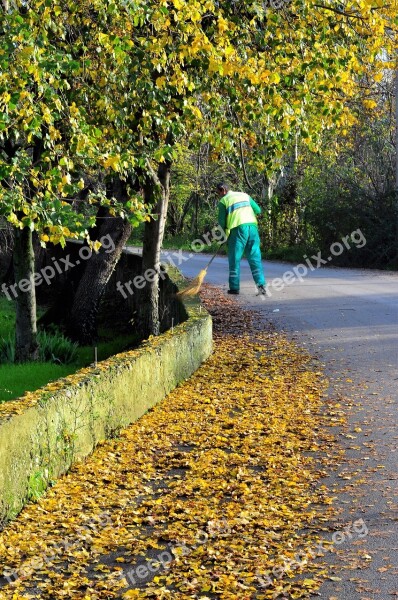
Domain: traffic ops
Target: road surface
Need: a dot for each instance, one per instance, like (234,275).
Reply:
(348,318)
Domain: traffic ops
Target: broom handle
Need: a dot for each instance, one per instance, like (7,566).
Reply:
(214,255)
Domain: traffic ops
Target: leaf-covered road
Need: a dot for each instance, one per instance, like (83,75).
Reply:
(349,319)
(213,494)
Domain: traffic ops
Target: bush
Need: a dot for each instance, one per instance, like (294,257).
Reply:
(53,347)
(7,350)
(293,254)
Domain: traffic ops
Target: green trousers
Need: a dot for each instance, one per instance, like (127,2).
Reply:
(244,240)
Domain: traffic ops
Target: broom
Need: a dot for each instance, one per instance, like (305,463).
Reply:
(194,287)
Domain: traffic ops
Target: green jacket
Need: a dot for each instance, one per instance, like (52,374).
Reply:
(237,208)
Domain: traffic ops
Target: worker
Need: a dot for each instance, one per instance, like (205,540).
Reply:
(237,216)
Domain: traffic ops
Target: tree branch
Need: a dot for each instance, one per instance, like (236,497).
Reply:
(242,157)
(340,12)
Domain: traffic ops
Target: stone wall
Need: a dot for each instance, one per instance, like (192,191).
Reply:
(44,433)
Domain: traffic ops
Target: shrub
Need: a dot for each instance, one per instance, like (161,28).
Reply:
(7,350)
(53,347)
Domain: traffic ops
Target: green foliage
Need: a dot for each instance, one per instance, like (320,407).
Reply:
(36,486)
(107,347)
(15,379)
(350,186)
(55,347)
(7,350)
(48,138)
(7,317)
(333,214)
(293,254)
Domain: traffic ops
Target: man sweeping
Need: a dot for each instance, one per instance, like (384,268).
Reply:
(237,216)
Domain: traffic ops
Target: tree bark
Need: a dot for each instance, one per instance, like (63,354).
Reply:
(157,192)
(82,323)
(26,346)
(176,221)
(6,251)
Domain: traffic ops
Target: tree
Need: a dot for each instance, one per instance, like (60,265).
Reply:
(220,68)
(81,323)
(157,189)
(116,86)
(47,139)
(350,185)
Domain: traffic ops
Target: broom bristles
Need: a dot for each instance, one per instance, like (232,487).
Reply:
(194,287)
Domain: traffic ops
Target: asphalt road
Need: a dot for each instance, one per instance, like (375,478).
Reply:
(348,318)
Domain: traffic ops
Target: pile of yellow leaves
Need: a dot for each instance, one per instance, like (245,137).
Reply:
(209,495)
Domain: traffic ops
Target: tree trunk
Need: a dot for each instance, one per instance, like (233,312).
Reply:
(26,346)
(176,221)
(6,251)
(157,191)
(196,214)
(82,323)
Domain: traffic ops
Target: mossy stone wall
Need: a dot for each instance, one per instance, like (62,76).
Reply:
(39,441)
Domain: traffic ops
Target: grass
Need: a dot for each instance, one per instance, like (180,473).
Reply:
(15,380)
(86,354)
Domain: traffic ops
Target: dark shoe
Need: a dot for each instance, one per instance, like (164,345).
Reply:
(235,292)
(261,290)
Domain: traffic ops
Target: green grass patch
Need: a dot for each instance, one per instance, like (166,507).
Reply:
(15,380)
(105,349)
